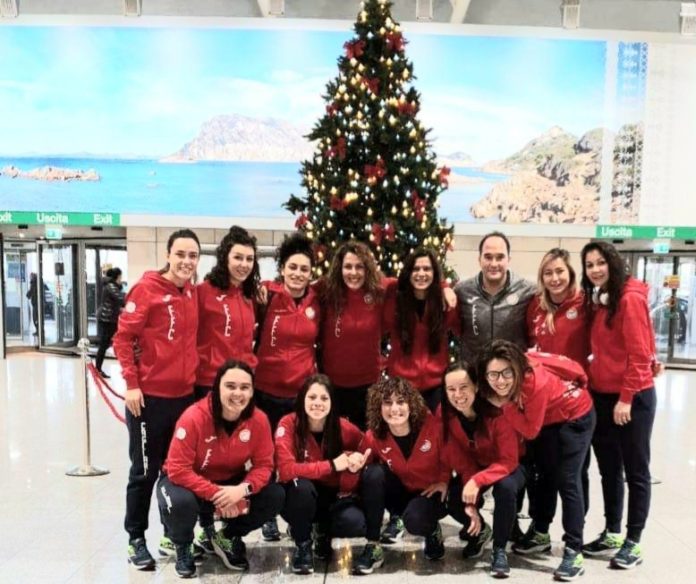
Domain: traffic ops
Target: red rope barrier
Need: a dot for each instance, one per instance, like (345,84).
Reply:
(101,381)
(98,381)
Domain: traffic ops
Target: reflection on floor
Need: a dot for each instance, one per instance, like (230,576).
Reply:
(61,529)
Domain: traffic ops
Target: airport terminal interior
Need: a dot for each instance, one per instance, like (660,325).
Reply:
(635,70)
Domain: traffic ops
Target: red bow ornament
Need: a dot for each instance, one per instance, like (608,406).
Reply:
(354,49)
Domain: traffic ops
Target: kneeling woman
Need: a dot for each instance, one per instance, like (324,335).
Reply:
(206,470)
(318,460)
(409,480)
(482,448)
(545,398)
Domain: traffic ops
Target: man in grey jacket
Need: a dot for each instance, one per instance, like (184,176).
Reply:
(493,304)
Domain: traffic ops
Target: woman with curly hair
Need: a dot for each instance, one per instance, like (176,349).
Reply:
(286,337)
(621,380)
(226,307)
(418,326)
(408,478)
(544,398)
(482,448)
(318,459)
(352,296)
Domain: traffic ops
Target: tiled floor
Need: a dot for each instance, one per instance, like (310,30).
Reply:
(62,529)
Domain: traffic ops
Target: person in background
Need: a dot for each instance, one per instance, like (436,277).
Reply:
(160,322)
(545,399)
(286,339)
(109,310)
(319,459)
(220,461)
(482,449)
(352,295)
(409,478)
(226,308)
(622,367)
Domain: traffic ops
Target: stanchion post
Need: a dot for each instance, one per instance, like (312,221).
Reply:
(86,469)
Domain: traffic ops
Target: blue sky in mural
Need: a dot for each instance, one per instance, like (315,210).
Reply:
(119,92)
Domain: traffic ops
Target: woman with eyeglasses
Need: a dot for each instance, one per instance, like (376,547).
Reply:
(482,449)
(621,379)
(545,399)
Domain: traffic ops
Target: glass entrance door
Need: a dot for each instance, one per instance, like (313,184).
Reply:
(672,280)
(20,306)
(98,259)
(60,302)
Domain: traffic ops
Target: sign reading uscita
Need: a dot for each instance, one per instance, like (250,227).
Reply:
(59,218)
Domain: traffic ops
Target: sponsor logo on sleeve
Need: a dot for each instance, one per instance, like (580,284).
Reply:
(181,433)
(280,432)
(130,307)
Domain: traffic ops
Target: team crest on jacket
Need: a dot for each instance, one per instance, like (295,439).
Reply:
(572,314)
(245,435)
(427,445)
(181,433)
(513,299)
(368,298)
(309,311)
(166,298)
(280,432)
(130,307)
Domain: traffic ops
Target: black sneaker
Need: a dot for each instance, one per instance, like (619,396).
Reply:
(571,566)
(270,531)
(185,566)
(605,544)
(394,531)
(371,558)
(434,546)
(532,542)
(231,551)
(629,556)
(322,543)
(202,546)
(303,558)
(499,563)
(139,556)
(474,549)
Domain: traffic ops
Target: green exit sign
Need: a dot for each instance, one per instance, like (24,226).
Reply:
(54,232)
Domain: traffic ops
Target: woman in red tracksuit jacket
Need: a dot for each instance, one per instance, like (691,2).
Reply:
(482,448)
(318,459)
(409,478)
(160,320)
(556,324)
(286,338)
(545,398)
(621,380)
(226,317)
(352,295)
(220,460)
(418,326)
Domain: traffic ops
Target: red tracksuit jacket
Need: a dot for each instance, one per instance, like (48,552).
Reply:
(351,341)
(163,321)
(623,355)
(554,391)
(421,368)
(313,465)
(199,457)
(287,353)
(424,467)
(492,454)
(571,337)
(226,324)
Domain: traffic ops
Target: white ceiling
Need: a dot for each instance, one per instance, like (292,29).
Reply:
(623,15)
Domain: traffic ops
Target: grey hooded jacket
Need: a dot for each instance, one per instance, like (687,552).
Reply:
(485,317)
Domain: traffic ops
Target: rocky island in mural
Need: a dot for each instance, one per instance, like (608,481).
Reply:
(50,174)
(556,178)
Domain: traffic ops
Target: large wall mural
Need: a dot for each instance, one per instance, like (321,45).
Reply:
(211,122)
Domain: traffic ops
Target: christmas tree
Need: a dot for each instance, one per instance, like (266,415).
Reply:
(373,176)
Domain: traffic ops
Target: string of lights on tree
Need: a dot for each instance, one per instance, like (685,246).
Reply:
(373,176)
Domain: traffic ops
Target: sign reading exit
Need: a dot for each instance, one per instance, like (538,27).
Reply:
(59,218)
(644,232)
